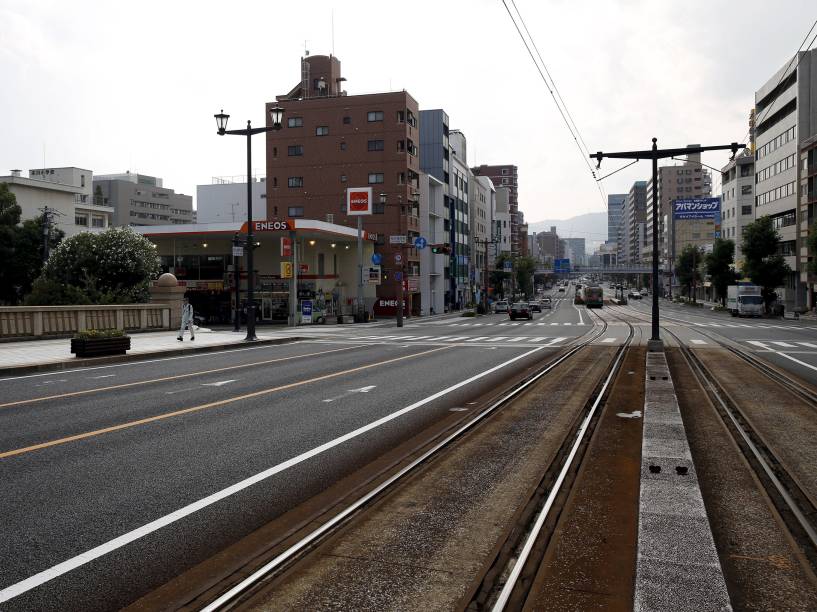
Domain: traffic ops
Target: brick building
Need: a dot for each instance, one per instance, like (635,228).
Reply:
(330,141)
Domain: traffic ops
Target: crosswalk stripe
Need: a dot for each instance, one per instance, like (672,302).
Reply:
(478,339)
(609,340)
(518,339)
(784,344)
(808,344)
(497,338)
(696,341)
(758,343)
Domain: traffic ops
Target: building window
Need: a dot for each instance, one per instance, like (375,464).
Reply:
(82,180)
(295,211)
(83,220)
(504,181)
(745,190)
(275,151)
(374,116)
(375,145)
(295,150)
(322,130)
(295,122)
(343,178)
(274,181)
(343,146)
(375,177)
(98,222)
(295,181)
(401,116)
(401,178)
(347,120)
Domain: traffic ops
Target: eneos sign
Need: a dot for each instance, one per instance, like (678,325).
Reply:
(359,201)
(270,226)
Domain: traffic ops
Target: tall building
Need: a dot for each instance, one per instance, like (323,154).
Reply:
(575,251)
(432,215)
(785,115)
(615,219)
(331,141)
(139,199)
(808,203)
(688,180)
(506,175)
(550,245)
(443,155)
(225,199)
(502,226)
(737,200)
(635,210)
(481,199)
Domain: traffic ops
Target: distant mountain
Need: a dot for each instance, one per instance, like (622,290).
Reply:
(590,226)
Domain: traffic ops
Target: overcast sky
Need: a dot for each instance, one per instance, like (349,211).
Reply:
(114,86)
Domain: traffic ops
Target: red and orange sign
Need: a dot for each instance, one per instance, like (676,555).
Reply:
(359,201)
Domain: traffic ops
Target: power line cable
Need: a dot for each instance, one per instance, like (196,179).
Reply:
(635,161)
(585,158)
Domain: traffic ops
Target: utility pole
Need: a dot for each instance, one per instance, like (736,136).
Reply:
(654,154)
(485,242)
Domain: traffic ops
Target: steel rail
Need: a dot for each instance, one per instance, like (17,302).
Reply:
(338,519)
(521,559)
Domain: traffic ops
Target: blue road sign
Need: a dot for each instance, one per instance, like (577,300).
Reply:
(398,276)
(561,265)
(420,243)
(508,265)
(376,259)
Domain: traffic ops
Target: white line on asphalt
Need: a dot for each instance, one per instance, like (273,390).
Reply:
(696,341)
(802,363)
(103,376)
(784,344)
(808,344)
(219,383)
(103,549)
(609,340)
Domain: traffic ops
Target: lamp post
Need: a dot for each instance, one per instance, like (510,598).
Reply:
(654,154)
(276,113)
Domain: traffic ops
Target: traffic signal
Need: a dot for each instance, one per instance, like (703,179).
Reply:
(441,249)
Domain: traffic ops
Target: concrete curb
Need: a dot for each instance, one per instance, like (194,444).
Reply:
(95,361)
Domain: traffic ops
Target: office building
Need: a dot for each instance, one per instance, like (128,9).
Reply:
(575,251)
(785,116)
(635,210)
(139,199)
(225,199)
(506,175)
(502,225)
(550,245)
(737,200)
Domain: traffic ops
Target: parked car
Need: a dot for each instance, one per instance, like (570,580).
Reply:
(501,306)
(535,306)
(546,303)
(520,310)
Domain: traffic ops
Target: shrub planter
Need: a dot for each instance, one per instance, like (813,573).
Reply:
(97,347)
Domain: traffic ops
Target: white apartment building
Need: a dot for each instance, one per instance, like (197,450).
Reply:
(737,200)
(67,191)
(481,201)
(502,225)
(432,267)
(225,200)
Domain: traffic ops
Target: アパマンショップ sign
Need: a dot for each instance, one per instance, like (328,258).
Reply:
(359,201)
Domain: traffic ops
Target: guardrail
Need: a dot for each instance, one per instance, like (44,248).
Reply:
(28,322)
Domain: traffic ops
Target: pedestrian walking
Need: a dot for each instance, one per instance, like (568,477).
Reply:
(187,321)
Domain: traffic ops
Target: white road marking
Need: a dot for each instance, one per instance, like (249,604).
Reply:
(808,344)
(518,339)
(49,574)
(608,340)
(784,344)
(58,380)
(478,339)
(696,341)
(219,383)
(350,392)
(180,391)
(802,363)
(103,376)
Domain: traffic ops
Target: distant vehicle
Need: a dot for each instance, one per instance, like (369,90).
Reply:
(535,306)
(501,306)
(644,292)
(561,289)
(634,294)
(546,303)
(593,297)
(744,300)
(520,310)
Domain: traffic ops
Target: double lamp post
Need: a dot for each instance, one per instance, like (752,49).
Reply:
(276,114)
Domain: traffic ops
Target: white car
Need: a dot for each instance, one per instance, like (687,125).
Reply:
(644,292)
(501,306)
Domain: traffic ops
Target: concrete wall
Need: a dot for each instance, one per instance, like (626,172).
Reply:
(56,321)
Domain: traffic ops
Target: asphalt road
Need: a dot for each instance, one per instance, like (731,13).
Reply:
(118,478)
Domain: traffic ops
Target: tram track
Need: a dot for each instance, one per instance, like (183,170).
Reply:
(793,501)
(234,592)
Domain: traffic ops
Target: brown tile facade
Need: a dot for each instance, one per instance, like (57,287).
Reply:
(330,142)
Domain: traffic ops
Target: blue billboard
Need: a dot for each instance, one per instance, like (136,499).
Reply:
(697,208)
(561,265)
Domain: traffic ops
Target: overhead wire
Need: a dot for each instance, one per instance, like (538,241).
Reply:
(584,152)
(635,161)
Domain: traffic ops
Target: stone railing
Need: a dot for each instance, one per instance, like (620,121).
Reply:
(21,322)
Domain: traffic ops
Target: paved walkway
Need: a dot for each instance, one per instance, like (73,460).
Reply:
(35,352)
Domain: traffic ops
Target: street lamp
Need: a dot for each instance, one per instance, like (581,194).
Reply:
(276,114)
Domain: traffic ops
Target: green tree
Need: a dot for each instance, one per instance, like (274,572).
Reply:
(9,219)
(719,266)
(762,263)
(111,267)
(687,267)
(497,276)
(525,267)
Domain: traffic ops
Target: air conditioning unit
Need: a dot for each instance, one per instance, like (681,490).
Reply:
(330,218)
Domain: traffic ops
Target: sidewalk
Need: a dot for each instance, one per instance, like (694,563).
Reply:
(32,355)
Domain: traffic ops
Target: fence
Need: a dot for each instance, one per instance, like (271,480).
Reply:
(56,321)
